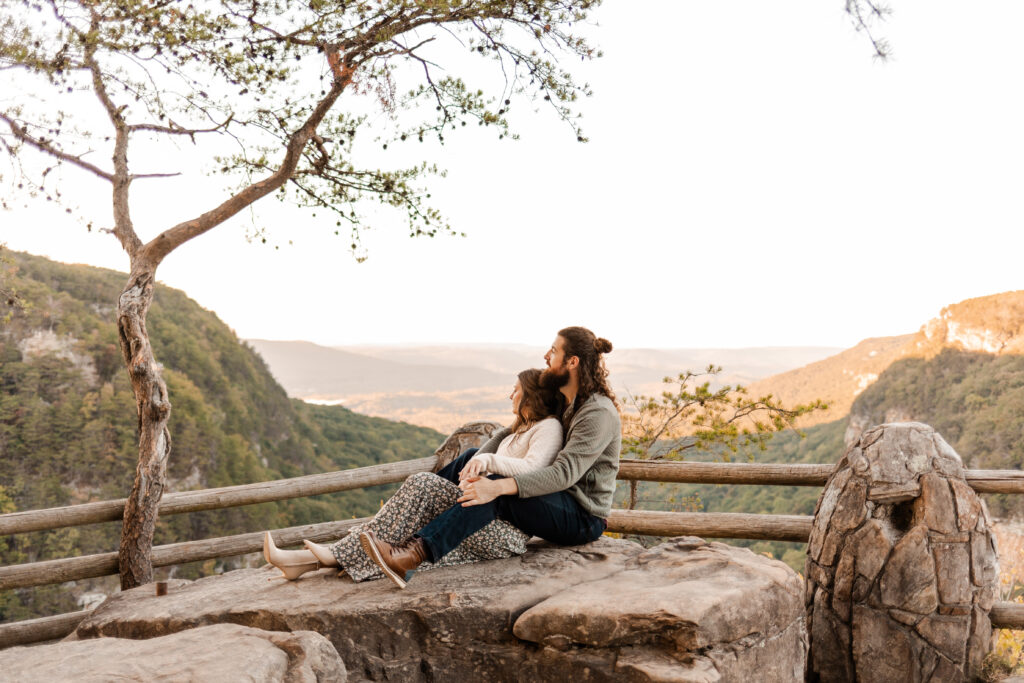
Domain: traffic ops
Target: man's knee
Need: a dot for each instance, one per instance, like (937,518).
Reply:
(505,507)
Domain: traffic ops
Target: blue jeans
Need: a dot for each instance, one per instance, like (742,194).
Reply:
(555,517)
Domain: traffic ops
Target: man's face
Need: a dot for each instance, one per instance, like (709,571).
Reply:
(556,375)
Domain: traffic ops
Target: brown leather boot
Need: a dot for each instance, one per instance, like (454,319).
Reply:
(393,560)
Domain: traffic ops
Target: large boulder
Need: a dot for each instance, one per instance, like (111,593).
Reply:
(224,652)
(685,611)
(704,611)
(901,564)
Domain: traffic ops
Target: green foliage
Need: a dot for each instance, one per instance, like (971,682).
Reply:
(974,400)
(818,444)
(266,76)
(694,418)
(711,420)
(10,299)
(67,423)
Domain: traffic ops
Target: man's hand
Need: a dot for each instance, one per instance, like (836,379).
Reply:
(473,469)
(479,491)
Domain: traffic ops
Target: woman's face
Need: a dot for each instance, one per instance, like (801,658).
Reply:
(516,396)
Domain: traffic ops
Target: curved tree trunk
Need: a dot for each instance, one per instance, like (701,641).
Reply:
(154,409)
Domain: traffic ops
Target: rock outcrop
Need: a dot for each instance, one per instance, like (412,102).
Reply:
(722,610)
(685,610)
(469,435)
(987,324)
(901,567)
(224,652)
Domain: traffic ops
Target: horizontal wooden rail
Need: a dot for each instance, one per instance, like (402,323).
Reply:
(1007,615)
(712,525)
(105,564)
(779,474)
(215,499)
(724,472)
(995,481)
(983,481)
(40,630)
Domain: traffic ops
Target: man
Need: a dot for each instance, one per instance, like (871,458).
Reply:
(566,503)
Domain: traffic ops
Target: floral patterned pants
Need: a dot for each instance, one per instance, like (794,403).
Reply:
(421,498)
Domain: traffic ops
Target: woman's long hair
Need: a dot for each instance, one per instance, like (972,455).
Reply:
(537,401)
(590,349)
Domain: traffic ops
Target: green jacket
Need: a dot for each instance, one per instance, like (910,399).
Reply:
(587,464)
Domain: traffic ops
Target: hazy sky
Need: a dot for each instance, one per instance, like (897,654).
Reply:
(754,178)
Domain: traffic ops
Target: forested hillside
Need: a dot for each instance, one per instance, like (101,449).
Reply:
(974,399)
(67,421)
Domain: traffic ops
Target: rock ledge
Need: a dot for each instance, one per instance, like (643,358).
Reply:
(685,610)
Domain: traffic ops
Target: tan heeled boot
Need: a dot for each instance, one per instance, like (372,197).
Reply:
(292,563)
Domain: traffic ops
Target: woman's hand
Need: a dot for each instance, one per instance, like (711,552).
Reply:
(473,468)
(480,491)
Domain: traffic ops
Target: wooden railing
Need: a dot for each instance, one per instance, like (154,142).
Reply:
(708,524)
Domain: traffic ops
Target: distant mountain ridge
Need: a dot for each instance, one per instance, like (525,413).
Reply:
(838,379)
(991,324)
(962,373)
(308,370)
(444,386)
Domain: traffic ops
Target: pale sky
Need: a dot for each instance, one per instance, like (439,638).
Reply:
(754,178)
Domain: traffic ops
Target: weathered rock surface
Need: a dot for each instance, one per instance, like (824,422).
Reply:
(901,567)
(741,612)
(683,611)
(224,652)
(469,435)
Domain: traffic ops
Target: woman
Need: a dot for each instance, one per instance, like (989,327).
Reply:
(532,442)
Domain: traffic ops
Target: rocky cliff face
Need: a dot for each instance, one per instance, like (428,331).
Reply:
(989,324)
(945,350)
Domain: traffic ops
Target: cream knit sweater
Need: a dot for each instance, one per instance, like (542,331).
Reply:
(525,452)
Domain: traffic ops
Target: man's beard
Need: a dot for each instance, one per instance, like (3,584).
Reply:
(554,378)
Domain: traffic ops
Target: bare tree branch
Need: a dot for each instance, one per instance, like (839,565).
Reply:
(44,146)
(123,229)
(170,239)
(143,176)
(175,129)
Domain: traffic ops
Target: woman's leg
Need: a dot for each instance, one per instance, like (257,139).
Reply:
(292,563)
(496,541)
(322,553)
(555,517)
(421,498)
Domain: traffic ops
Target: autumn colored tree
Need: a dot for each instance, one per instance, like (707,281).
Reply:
(692,416)
(95,90)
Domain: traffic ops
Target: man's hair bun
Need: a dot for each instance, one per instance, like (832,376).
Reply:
(602,345)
